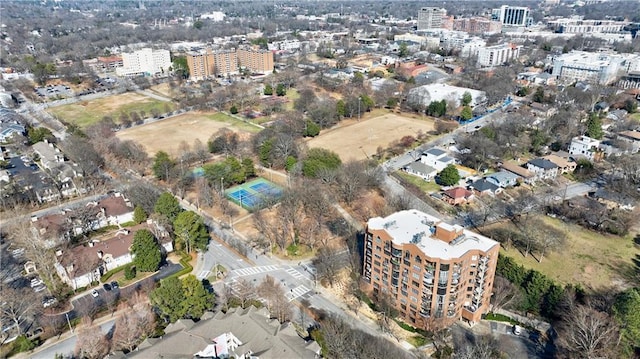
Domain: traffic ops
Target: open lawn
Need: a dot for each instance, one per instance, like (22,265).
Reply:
(357,140)
(85,113)
(292,95)
(592,259)
(427,186)
(167,134)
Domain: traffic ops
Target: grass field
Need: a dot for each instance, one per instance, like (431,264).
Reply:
(357,140)
(589,258)
(166,135)
(427,186)
(85,113)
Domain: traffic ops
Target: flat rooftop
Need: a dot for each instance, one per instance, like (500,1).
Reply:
(413,226)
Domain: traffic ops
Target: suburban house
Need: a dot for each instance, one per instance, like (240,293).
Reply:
(114,211)
(483,187)
(53,161)
(421,170)
(542,168)
(11,124)
(503,179)
(539,109)
(564,165)
(437,158)
(585,147)
(632,137)
(613,199)
(55,227)
(239,333)
(5,176)
(456,196)
(526,175)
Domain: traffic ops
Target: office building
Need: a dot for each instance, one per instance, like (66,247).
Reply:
(430,18)
(477,25)
(498,54)
(433,273)
(588,66)
(512,15)
(145,62)
(580,26)
(256,60)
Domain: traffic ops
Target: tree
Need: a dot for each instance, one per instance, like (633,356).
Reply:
(594,126)
(146,250)
(191,233)
(277,303)
(466,99)
(504,293)
(139,215)
(196,298)
(168,298)
(163,166)
(631,105)
(233,110)
(144,195)
(37,134)
(91,343)
(168,206)
(81,151)
(625,311)
(311,129)
(466,113)
(586,332)
(18,306)
(248,168)
(281,90)
(268,90)
(132,326)
(449,176)
(538,96)
(319,159)
(403,50)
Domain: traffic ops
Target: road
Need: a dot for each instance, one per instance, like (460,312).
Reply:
(67,346)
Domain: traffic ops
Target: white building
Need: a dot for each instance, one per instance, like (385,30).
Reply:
(580,26)
(587,66)
(213,16)
(430,17)
(472,46)
(438,92)
(285,45)
(512,15)
(498,54)
(584,146)
(437,158)
(145,62)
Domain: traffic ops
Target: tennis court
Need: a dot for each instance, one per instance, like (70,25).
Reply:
(253,194)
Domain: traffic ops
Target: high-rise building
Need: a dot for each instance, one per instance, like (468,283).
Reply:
(498,55)
(430,18)
(588,66)
(477,25)
(145,62)
(512,15)
(225,62)
(200,64)
(432,272)
(256,60)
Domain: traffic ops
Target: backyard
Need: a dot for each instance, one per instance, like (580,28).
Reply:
(85,113)
(592,259)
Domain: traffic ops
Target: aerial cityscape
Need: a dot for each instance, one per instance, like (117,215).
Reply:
(319,179)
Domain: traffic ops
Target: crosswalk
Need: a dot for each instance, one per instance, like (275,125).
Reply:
(296,292)
(254,270)
(204,274)
(294,273)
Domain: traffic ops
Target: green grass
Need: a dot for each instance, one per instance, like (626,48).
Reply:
(427,186)
(292,95)
(635,116)
(500,318)
(417,341)
(593,259)
(223,117)
(86,113)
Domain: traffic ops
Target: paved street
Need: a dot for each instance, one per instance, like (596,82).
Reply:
(67,346)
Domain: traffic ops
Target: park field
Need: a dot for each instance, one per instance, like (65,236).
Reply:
(167,134)
(85,113)
(595,260)
(358,140)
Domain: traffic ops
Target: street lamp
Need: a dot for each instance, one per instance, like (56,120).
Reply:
(359,100)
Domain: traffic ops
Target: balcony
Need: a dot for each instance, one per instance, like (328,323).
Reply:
(395,275)
(395,261)
(425,314)
(451,313)
(471,308)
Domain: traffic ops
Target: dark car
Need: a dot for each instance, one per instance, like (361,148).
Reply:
(114,285)
(106,286)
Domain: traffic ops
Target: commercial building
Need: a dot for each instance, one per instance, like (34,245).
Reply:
(433,273)
(587,66)
(580,26)
(256,60)
(498,54)
(512,15)
(145,62)
(431,17)
(477,25)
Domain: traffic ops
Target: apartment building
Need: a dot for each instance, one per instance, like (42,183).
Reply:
(512,15)
(200,64)
(431,17)
(434,273)
(225,62)
(145,62)
(477,25)
(580,26)
(588,66)
(256,60)
(498,54)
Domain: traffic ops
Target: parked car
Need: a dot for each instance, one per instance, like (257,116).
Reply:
(48,301)
(114,285)
(517,330)
(106,286)
(95,293)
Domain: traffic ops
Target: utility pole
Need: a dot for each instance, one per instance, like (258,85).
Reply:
(69,322)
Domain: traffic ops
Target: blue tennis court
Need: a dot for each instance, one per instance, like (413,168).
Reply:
(253,194)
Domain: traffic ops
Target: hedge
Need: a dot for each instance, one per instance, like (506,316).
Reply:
(186,267)
(105,277)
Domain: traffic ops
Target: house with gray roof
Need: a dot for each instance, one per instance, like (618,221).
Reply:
(437,158)
(239,333)
(503,179)
(483,187)
(421,170)
(542,168)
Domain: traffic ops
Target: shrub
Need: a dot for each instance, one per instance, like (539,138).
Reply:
(233,110)
(129,272)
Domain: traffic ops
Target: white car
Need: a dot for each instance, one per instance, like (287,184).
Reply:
(517,330)
(95,293)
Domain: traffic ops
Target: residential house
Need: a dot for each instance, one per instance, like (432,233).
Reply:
(421,170)
(483,187)
(8,130)
(544,110)
(64,172)
(456,196)
(585,147)
(55,227)
(564,165)
(238,333)
(542,168)
(437,158)
(613,199)
(632,137)
(114,210)
(503,179)
(526,175)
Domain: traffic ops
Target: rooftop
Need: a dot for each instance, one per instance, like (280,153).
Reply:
(413,226)
(542,163)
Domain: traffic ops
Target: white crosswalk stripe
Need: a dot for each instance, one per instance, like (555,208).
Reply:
(204,274)
(294,273)
(297,292)
(254,270)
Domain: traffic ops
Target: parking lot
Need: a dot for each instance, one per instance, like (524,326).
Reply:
(54,91)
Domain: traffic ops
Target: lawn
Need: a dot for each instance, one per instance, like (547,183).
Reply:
(635,116)
(592,259)
(427,186)
(85,113)
(239,124)
(292,95)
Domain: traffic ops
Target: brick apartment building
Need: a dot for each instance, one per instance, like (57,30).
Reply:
(433,272)
(256,60)
(209,63)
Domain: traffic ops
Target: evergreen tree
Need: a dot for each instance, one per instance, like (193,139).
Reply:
(449,176)
(139,215)
(594,126)
(146,250)
(191,233)
(168,205)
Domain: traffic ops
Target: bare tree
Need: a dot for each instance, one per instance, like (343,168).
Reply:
(328,264)
(200,152)
(133,326)
(277,303)
(19,306)
(92,343)
(586,332)
(549,238)
(504,293)
(483,348)
(244,292)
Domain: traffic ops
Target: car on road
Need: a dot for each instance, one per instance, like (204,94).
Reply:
(95,293)
(114,285)
(517,330)
(48,301)
(106,286)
